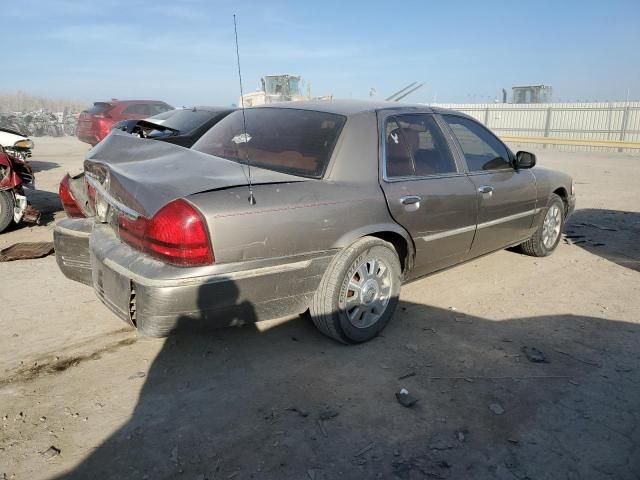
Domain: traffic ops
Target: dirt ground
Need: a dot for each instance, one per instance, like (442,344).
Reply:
(81,396)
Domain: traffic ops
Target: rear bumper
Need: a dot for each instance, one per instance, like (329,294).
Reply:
(158,298)
(71,240)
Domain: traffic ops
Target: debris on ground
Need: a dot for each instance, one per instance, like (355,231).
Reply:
(405,398)
(623,369)
(322,429)
(328,415)
(586,362)
(407,375)
(364,450)
(412,346)
(439,443)
(174,455)
(26,251)
(137,375)
(534,355)
(460,435)
(496,408)
(463,320)
(299,411)
(51,452)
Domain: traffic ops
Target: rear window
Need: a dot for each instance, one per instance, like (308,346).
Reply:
(165,115)
(99,107)
(188,119)
(298,142)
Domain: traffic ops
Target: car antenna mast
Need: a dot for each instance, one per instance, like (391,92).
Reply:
(252,199)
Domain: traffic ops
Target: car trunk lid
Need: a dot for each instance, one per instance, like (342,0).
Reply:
(144,175)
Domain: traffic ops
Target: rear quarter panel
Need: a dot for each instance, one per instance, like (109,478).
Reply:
(291,219)
(547,182)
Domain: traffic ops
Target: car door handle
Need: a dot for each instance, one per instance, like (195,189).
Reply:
(410,200)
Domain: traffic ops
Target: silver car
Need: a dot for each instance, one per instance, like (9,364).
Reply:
(325,207)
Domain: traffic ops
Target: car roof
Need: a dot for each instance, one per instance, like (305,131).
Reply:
(353,107)
(115,101)
(206,108)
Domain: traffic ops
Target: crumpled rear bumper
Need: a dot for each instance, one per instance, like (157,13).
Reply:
(71,241)
(158,298)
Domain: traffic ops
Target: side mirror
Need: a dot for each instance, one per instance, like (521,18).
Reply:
(525,160)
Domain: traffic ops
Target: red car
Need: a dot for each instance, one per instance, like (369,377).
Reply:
(94,124)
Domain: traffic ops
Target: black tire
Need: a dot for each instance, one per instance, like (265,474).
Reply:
(329,302)
(535,246)
(6,209)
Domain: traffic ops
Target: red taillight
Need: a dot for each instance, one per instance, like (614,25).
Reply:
(69,202)
(103,125)
(176,234)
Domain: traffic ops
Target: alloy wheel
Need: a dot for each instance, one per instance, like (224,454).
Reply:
(368,293)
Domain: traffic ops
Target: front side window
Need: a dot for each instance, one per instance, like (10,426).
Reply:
(415,146)
(298,142)
(482,150)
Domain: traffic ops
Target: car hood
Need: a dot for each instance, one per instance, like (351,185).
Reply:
(144,175)
(8,137)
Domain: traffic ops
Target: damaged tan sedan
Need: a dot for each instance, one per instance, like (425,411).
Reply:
(326,207)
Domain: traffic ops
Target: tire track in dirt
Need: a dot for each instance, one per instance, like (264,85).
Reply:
(52,364)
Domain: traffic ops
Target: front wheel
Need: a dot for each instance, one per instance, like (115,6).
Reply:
(546,238)
(6,209)
(358,293)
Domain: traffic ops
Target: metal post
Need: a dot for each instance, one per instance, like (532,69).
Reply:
(623,128)
(547,124)
(486,117)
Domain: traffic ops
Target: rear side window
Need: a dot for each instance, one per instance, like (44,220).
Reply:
(415,146)
(156,108)
(298,142)
(482,150)
(138,109)
(99,107)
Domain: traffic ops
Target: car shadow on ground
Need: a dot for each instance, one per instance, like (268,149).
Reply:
(41,165)
(610,234)
(289,403)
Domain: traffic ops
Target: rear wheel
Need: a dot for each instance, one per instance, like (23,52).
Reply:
(6,209)
(358,293)
(546,238)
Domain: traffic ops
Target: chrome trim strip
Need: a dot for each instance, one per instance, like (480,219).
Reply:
(195,281)
(508,218)
(112,201)
(470,228)
(448,233)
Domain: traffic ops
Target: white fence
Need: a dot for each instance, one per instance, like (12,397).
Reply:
(588,122)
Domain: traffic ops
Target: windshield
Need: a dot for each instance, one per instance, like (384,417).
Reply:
(298,142)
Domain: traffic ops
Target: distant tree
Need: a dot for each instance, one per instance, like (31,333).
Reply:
(20,101)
